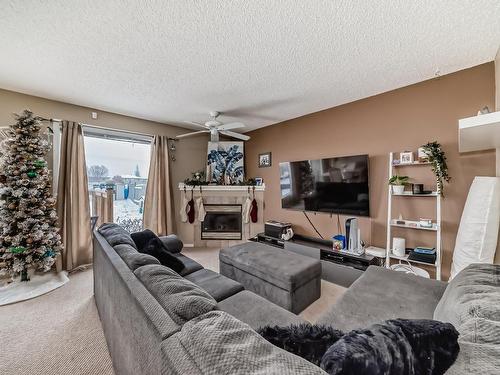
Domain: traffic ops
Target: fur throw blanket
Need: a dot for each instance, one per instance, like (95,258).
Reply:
(400,346)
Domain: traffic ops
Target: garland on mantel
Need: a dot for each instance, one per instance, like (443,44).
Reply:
(198,179)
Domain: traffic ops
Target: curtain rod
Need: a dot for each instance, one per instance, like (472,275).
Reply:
(125,131)
(50,119)
(98,127)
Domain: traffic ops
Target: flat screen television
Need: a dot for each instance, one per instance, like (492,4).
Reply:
(335,185)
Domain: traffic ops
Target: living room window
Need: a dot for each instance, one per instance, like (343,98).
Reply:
(118,161)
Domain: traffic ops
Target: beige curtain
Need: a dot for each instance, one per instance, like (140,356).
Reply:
(73,199)
(158,201)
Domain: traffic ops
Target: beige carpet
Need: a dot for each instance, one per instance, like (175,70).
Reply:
(60,332)
(57,333)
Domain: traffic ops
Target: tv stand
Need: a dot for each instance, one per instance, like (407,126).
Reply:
(338,267)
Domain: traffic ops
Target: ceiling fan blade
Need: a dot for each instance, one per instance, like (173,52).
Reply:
(243,137)
(231,125)
(195,123)
(193,133)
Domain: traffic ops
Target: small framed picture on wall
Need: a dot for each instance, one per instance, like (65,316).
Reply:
(265,160)
(259,181)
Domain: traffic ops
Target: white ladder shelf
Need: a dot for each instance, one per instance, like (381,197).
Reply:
(436,227)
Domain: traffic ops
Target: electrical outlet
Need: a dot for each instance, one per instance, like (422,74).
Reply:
(94,115)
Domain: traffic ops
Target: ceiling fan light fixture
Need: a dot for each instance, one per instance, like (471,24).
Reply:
(215,127)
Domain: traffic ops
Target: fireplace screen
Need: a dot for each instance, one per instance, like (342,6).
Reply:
(222,222)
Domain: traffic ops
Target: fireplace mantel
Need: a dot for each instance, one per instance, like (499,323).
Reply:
(204,188)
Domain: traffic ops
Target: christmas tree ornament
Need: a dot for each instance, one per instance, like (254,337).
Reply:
(39,163)
(28,220)
(17,249)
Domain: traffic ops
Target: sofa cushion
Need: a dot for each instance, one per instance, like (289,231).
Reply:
(381,294)
(190,265)
(172,243)
(182,299)
(125,248)
(476,359)
(256,311)
(279,267)
(471,303)
(115,234)
(136,260)
(481,331)
(218,286)
(156,249)
(217,343)
(473,293)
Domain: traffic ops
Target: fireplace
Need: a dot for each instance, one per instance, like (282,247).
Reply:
(222,222)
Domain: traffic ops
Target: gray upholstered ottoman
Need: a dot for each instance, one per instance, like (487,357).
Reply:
(290,280)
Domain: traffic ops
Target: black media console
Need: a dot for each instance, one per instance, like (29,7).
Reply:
(337,267)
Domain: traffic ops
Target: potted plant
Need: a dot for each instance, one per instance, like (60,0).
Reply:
(438,161)
(398,183)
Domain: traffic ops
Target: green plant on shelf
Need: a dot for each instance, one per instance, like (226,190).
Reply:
(399,180)
(437,159)
(398,184)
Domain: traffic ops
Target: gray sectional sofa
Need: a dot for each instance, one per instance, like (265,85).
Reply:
(158,322)
(199,322)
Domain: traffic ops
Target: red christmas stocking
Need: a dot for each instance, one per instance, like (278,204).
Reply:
(253,211)
(190,211)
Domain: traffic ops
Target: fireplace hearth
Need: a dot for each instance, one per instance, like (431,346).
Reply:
(222,222)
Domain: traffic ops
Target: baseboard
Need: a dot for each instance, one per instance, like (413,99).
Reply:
(189,245)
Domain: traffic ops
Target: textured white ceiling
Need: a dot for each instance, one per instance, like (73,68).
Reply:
(259,61)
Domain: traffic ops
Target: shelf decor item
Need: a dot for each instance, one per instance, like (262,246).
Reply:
(398,183)
(406,157)
(421,155)
(399,246)
(437,159)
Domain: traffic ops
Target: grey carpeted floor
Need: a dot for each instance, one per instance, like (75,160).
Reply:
(60,332)
(57,333)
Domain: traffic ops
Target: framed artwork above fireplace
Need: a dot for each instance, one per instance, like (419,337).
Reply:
(225,163)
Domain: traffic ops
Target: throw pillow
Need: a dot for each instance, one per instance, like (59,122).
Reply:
(141,239)
(155,248)
(136,260)
(399,346)
(115,234)
(305,340)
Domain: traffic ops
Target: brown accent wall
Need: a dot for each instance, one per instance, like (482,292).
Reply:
(191,152)
(398,120)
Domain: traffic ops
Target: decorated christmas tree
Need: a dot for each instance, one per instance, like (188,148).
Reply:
(29,236)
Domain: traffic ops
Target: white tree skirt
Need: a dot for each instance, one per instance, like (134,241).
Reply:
(39,284)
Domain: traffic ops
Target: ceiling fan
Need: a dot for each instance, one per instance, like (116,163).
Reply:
(215,127)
